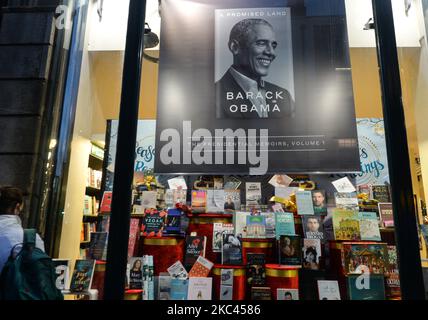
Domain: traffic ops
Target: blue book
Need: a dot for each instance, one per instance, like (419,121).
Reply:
(179,289)
(284,224)
(304,203)
(369,226)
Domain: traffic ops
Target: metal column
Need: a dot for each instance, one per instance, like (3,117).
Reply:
(411,278)
(117,252)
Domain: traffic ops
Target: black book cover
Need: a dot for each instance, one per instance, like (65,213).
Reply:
(261,293)
(290,250)
(256,272)
(195,247)
(231,249)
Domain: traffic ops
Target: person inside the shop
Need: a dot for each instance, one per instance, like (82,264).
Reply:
(11,231)
(242,91)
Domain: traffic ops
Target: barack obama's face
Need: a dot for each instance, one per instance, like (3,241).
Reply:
(254,57)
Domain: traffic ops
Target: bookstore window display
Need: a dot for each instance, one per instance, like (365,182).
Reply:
(237,237)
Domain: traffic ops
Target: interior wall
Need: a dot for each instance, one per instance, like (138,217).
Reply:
(106,79)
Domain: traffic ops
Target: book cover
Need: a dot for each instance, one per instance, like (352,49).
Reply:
(304,203)
(226,293)
(179,196)
(253,194)
(134,230)
(285,193)
(365,257)
(346,201)
(256,272)
(200,289)
(218,183)
(164,287)
(281,181)
(169,199)
(381,193)
(232,200)
(240,223)
(392,276)
(290,248)
(313,227)
(346,225)
(62,273)
(179,289)
(231,249)
(344,185)
(217,237)
(256,227)
(328,290)
(149,199)
(194,247)
(227,277)
(284,224)
(201,268)
(311,254)
(153,223)
(231,183)
(386,214)
(174,223)
(106,202)
(178,183)
(369,226)
(287,294)
(83,273)
(370,288)
(270,224)
(87,206)
(136,273)
(261,293)
(215,201)
(177,271)
(319,202)
(98,245)
(199,201)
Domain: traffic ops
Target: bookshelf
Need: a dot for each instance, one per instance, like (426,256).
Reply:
(93,194)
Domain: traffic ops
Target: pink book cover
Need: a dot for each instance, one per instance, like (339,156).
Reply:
(133,236)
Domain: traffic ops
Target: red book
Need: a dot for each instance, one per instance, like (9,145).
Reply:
(106,202)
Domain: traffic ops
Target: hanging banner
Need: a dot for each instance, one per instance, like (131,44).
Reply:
(374,161)
(245,89)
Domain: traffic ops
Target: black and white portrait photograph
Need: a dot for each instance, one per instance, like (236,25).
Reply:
(254,63)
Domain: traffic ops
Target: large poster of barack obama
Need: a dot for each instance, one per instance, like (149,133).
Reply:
(250,87)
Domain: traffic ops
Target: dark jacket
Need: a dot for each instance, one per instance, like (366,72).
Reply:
(229,84)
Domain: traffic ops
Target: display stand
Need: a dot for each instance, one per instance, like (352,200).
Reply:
(285,277)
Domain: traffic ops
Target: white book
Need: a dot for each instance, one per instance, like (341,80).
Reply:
(200,289)
(287,294)
(215,201)
(328,290)
(149,199)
